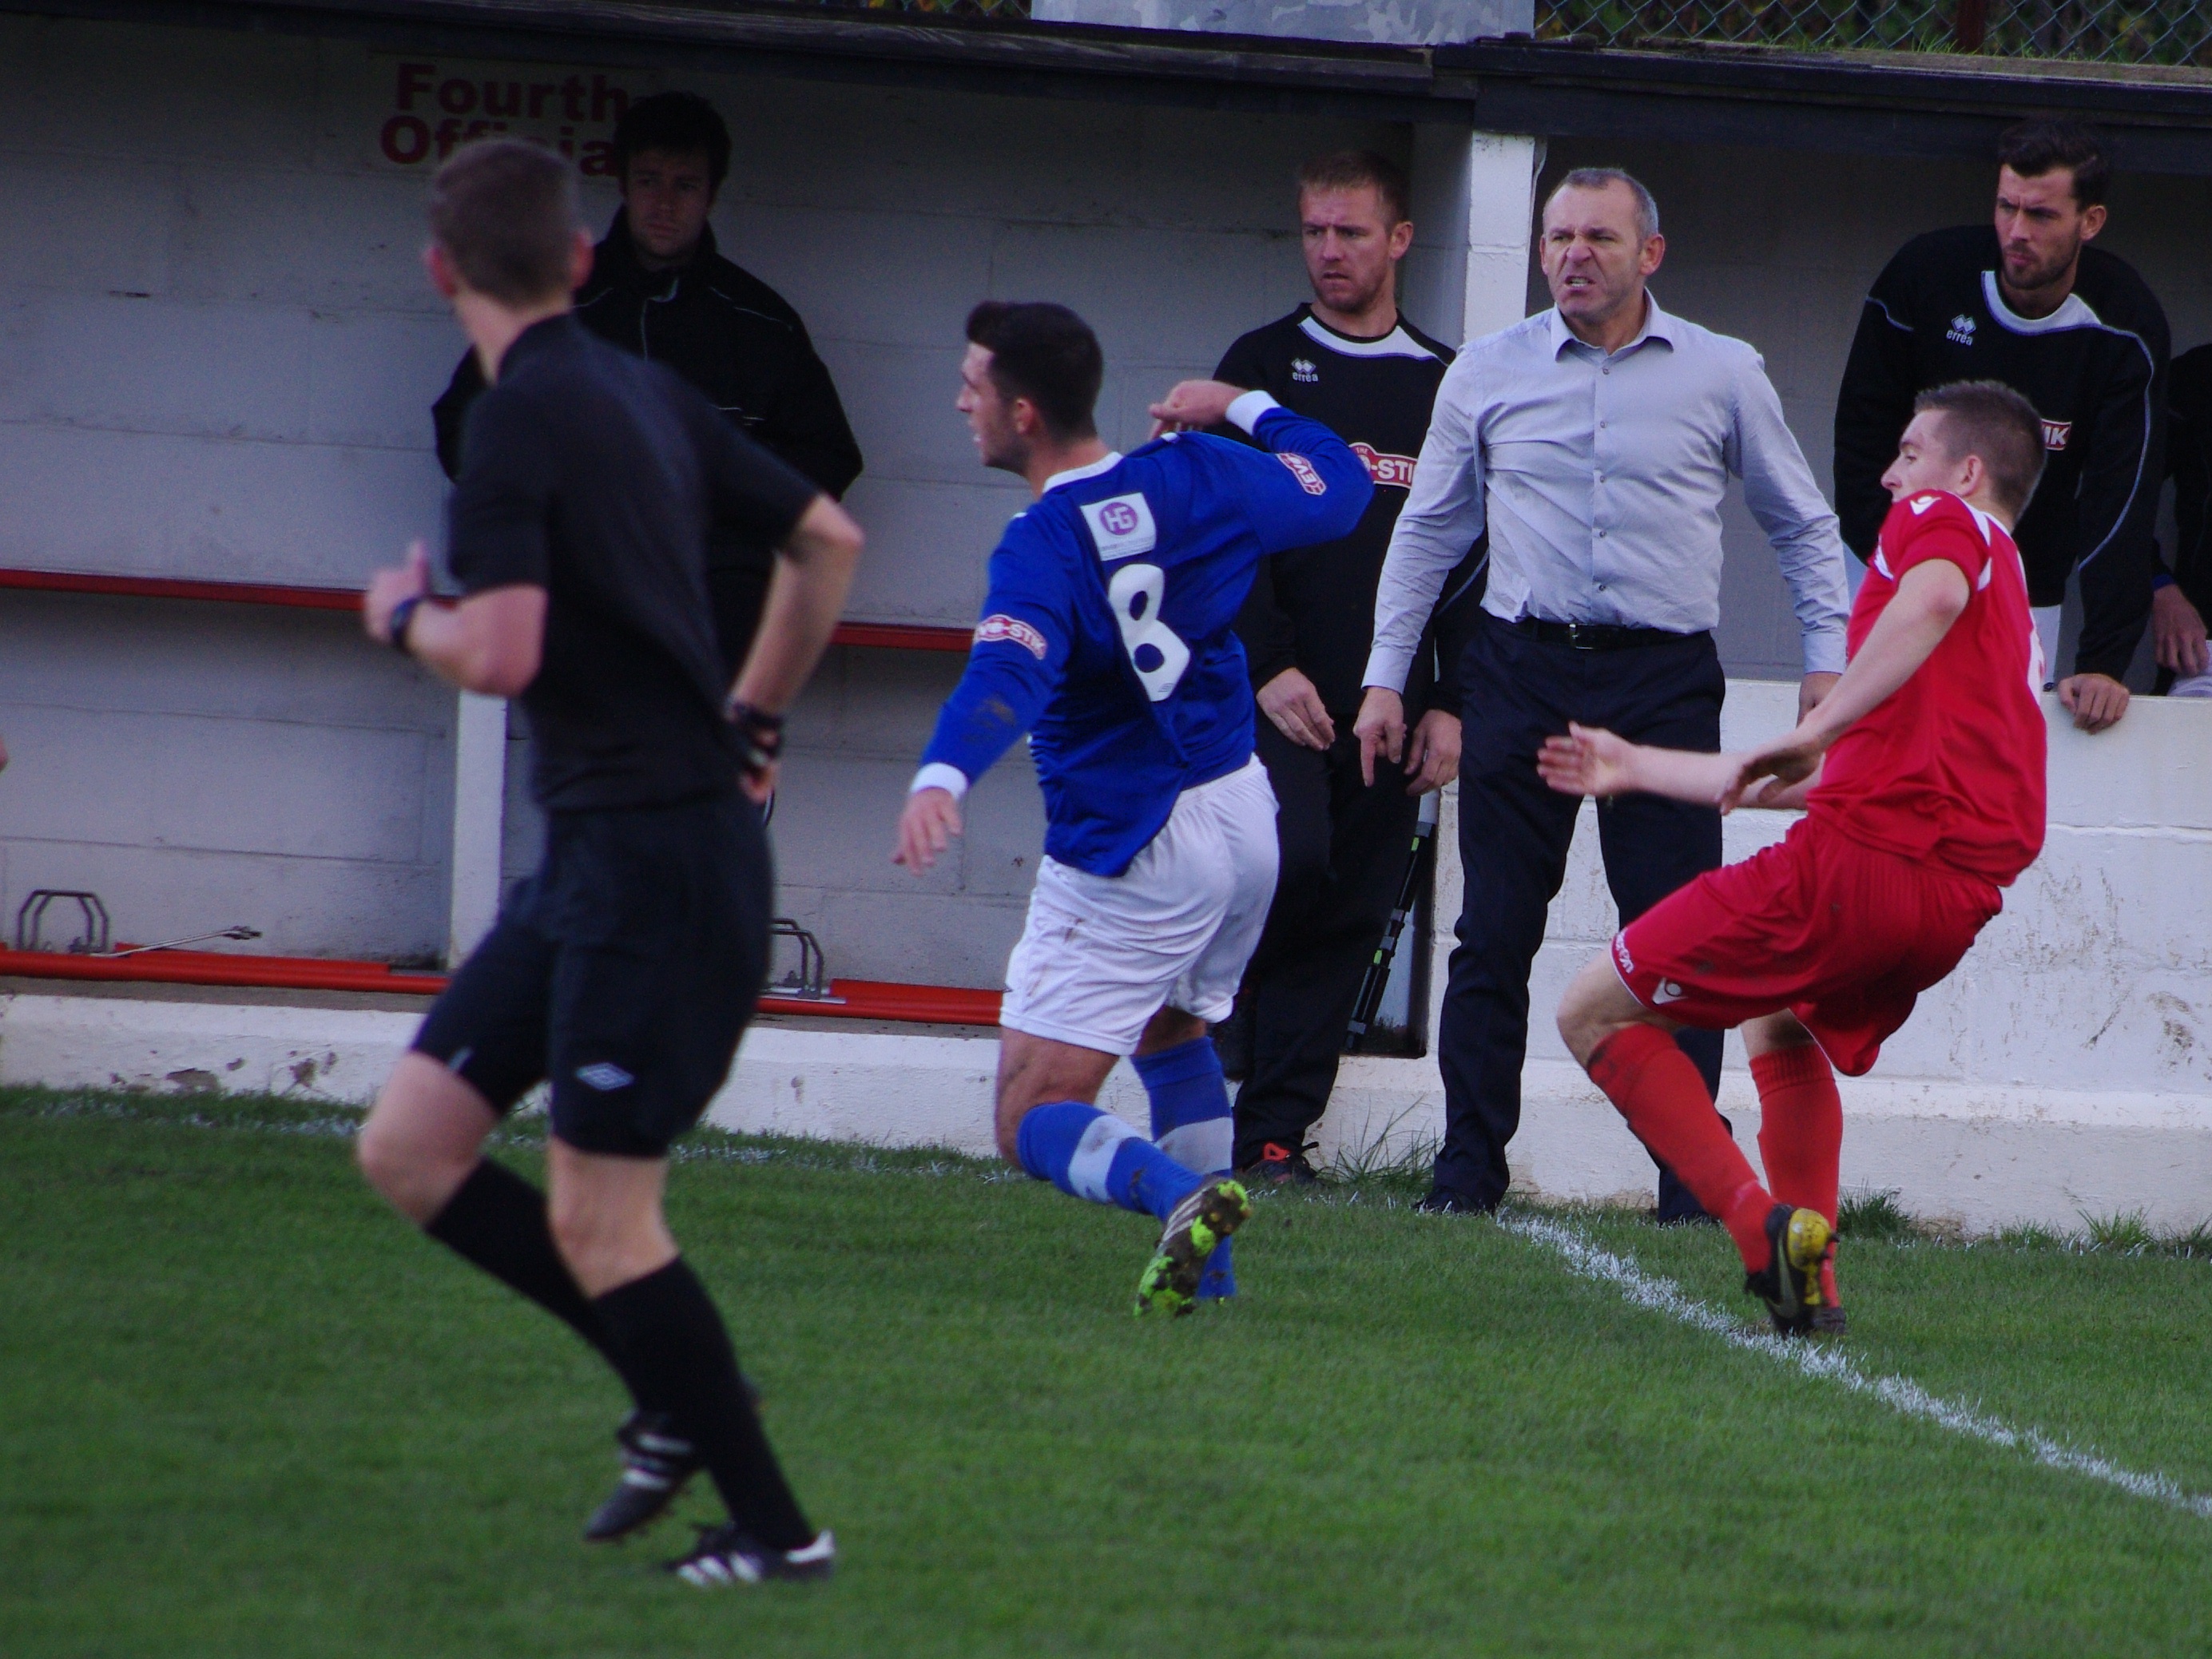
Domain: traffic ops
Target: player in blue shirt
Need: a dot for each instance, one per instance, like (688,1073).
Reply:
(1107,637)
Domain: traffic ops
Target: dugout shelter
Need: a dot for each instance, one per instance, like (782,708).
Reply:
(217,355)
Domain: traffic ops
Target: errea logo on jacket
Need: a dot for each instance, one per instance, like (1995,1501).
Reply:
(1961,332)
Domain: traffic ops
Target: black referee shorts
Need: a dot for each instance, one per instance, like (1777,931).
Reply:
(624,970)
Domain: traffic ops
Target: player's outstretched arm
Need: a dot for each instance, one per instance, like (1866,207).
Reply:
(1588,761)
(1930,598)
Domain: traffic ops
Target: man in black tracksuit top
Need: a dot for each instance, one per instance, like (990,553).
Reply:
(622,973)
(2183,596)
(661,289)
(1306,627)
(2077,332)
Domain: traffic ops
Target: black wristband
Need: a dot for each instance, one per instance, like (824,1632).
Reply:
(760,737)
(395,626)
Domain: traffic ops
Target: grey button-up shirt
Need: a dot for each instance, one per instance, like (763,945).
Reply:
(1600,479)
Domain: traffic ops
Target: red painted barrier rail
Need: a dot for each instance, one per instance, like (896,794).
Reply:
(880,636)
(857,999)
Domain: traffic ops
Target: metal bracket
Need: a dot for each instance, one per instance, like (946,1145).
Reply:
(31,918)
(810,980)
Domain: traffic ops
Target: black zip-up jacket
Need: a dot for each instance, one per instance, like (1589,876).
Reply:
(731,336)
(2189,460)
(1313,608)
(2095,369)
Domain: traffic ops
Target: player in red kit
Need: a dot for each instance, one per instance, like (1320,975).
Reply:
(1922,778)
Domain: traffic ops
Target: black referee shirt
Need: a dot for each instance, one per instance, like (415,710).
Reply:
(2095,369)
(596,475)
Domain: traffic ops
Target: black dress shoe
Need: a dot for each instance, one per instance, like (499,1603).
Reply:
(1441,1202)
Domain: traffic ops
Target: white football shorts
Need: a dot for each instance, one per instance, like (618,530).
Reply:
(1101,955)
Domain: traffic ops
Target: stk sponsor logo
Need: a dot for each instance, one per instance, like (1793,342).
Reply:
(1961,332)
(1394,471)
(2056,433)
(1014,631)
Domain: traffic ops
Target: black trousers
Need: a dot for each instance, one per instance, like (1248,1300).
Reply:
(1514,832)
(1344,847)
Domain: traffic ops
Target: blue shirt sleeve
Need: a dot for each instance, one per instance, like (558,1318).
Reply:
(1022,644)
(1308,487)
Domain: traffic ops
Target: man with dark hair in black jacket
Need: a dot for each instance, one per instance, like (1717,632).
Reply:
(660,288)
(2079,334)
(1352,361)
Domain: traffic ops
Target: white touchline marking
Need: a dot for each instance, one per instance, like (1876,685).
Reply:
(1831,1365)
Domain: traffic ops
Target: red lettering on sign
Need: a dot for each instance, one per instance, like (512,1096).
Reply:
(511,105)
(572,98)
(457,96)
(539,92)
(608,103)
(413,78)
(406,139)
(598,161)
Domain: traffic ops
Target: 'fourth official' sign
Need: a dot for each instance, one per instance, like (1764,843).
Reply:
(430,107)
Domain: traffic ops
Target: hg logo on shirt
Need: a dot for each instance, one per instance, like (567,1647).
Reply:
(1962,330)
(1121,526)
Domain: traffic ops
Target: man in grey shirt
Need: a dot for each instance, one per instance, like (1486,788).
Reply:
(1594,444)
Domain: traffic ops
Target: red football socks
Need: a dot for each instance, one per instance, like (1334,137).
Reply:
(1658,1091)
(1801,1134)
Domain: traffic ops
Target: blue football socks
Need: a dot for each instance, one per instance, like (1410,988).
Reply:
(1190,1124)
(1093,1155)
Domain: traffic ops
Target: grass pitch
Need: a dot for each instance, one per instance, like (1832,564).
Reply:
(247,1411)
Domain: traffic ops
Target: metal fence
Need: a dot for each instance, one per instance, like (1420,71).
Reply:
(947,8)
(2089,31)
(2093,31)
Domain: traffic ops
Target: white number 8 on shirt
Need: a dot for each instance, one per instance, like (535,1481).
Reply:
(1155,653)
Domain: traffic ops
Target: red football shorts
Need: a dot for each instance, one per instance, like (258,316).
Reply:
(1843,936)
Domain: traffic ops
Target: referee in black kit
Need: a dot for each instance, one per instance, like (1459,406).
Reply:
(1351,360)
(624,971)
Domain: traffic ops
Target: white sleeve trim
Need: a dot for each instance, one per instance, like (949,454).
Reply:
(938,775)
(1246,411)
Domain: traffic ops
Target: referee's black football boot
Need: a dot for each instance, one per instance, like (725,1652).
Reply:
(725,1555)
(1215,1209)
(657,1461)
(1797,1241)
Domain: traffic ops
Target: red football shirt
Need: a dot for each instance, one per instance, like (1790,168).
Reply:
(1949,770)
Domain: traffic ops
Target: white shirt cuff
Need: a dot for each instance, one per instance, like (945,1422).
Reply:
(939,775)
(1246,411)
(1387,670)
(1825,652)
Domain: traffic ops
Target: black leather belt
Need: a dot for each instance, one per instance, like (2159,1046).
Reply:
(1595,636)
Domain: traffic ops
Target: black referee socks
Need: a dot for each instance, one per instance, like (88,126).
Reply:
(496,1220)
(670,1337)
